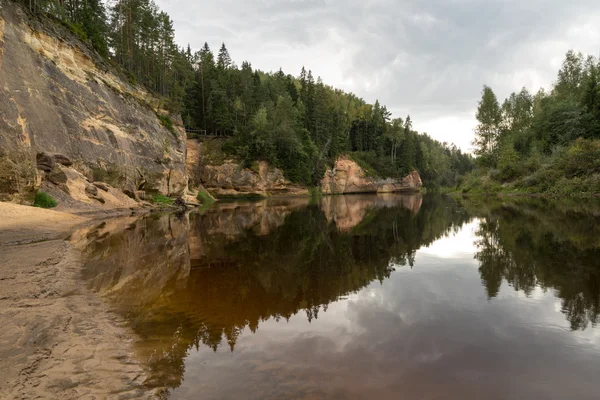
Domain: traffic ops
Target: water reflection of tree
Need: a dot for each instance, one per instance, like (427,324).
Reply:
(240,280)
(302,266)
(533,244)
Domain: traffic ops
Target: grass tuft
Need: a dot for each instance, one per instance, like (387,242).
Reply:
(162,199)
(204,198)
(44,200)
(167,122)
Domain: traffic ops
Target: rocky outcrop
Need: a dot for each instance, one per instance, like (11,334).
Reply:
(347,177)
(209,169)
(74,191)
(59,104)
(230,179)
(222,177)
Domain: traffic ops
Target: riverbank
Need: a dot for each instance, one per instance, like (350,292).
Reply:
(59,340)
(456,192)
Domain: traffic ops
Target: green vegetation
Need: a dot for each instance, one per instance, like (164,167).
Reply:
(44,200)
(546,143)
(371,164)
(77,30)
(167,122)
(542,143)
(296,123)
(204,198)
(241,196)
(161,199)
(255,167)
(213,153)
(301,125)
(85,19)
(315,193)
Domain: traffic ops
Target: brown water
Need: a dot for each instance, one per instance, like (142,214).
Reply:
(361,297)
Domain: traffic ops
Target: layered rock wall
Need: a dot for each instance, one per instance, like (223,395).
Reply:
(223,177)
(347,177)
(57,97)
(231,179)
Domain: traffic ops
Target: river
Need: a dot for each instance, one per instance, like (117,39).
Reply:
(360,297)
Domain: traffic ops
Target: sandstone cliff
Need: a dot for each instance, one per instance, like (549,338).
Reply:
(62,108)
(224,177)
(347,177)
(231,179)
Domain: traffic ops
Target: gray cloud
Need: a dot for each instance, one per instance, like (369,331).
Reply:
(426,58)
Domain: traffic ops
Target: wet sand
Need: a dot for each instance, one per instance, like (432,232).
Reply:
(58,339)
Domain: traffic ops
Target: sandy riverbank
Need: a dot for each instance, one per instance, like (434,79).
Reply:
(58,339)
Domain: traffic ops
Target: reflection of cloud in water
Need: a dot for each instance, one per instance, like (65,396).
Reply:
(457,245)
(300,302)
(374,353)
(453,343)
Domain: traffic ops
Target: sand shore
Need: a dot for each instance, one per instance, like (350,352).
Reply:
(58,340)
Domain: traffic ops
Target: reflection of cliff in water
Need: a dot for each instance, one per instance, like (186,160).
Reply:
(550,245)
(205,277)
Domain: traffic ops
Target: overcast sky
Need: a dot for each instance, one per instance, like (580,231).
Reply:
(426,58)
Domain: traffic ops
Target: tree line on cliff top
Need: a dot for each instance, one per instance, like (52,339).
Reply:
(297,123)
(547,142)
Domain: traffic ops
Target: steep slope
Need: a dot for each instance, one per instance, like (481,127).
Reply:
(62,108)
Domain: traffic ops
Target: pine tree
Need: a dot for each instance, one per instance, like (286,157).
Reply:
(302,79)
(223,59)
(309,103)
(407,159)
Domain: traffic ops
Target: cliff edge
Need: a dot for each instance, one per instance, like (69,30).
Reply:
(65,116)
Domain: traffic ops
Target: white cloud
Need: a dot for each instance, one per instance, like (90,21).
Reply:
(427,59)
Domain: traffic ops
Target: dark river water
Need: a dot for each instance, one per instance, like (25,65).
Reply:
(361,297)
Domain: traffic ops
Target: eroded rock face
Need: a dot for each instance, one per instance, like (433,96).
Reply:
(64,181)
(57,99)
(348,177)
(230,178)
(44,162)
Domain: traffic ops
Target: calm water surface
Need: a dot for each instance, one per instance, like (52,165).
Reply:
(361,297)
